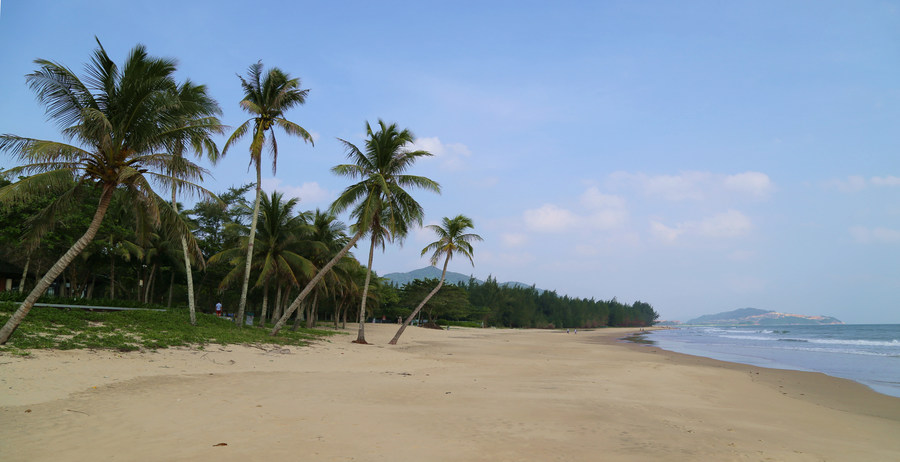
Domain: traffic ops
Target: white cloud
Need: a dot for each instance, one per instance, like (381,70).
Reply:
(875,235)
(607,211)
(665,233)
(724,225)
(729,224)
(593,198)
(754,184)
(550,218)
(309,193)
(513,239)
(452,155)
(696,186)
(885,180)
(853,183)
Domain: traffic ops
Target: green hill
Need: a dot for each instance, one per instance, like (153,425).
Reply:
(431,272)
(757,317)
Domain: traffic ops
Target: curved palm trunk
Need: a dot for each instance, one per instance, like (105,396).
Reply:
(315,280)
(187,270)
(421,305)
(243,303)
(59,267)
(361,337)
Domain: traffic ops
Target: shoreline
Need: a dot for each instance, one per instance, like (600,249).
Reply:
(460,395)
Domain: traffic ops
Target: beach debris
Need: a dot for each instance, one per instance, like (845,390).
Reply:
(220,444)
(75,410)
(27,411)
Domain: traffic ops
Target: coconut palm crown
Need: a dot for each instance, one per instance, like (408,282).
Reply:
(119,121)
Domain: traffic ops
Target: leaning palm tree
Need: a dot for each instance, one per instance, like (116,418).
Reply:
(379,203)
(117,118)
(266,98)
(452,238)
(196,109)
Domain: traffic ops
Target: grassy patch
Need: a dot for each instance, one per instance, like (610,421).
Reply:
(66,329)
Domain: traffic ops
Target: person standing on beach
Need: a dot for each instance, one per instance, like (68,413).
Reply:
(219,309)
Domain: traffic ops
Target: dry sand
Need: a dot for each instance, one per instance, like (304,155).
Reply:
(458,395)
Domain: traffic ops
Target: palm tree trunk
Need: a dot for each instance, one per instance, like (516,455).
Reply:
(112,277)
(90,289)
(299,316)
(361,337)
(149,283)
(187,270)
(315,280)
(265,305)
(311,313)
(421,305)
(279,303)
(58,268)
(243,303)
(171,288)
(24,274)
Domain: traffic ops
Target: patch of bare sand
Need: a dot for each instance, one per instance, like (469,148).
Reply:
(458,395)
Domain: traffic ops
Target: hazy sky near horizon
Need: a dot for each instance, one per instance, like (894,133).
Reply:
(699,156)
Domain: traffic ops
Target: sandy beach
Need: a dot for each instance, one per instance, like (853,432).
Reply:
(458,395)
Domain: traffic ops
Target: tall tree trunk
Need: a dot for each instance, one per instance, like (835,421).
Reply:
(315,280)
(311,314)
(58,268)
(299,316)
(24,274)
(112,277)
(421,305)
(279,303)
(243,303)
(90,289)
(265,305)
(171,288)
(361,337)
(187,270)
(149,284)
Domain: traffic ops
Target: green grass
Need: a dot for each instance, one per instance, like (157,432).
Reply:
(68,329)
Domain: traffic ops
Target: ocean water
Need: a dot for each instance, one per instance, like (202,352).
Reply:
(866,353)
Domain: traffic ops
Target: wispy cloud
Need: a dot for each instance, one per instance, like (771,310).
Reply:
(695,186)
(310,193)
(452,156)
(854,183)
(729,224)
(882,235)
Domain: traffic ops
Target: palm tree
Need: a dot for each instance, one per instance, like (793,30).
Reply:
(266,99)
(117,118)
(276,250)
(452,238)
(197,109)
(379,202)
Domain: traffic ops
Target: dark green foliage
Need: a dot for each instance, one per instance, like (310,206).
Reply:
(515,306)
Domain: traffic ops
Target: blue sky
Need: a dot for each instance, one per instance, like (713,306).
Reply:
(699,156)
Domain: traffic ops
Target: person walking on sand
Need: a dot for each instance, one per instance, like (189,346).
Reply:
(219,309)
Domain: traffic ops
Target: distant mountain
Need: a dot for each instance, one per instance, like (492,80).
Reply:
(431,272)
(757,317)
